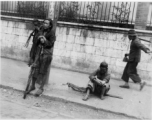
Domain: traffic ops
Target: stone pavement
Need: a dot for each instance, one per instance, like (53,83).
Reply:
(134,103)
(18,111)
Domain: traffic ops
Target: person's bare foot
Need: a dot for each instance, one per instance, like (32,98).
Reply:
(102,97)
(124,86)
(87,95)
(85,98)
(142,85)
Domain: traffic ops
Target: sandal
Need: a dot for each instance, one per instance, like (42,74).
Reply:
(124,86)
(142,85)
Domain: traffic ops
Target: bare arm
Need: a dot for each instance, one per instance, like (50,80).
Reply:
(92,75)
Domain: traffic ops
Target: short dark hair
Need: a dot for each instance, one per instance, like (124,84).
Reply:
(36,22)
(104,65)
(50,20)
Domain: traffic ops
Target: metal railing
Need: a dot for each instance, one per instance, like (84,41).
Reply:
(118,14)
(27,9)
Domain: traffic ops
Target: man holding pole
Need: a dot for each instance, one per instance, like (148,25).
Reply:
(133,60)
(46,39)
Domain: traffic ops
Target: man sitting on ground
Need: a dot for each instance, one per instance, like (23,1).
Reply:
(99,82)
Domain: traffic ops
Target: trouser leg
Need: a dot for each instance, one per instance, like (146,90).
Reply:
(45,61)
(107,89)
(43,78)
(33,81)
(103,92)
(91,86)
(32,87)
(132,72)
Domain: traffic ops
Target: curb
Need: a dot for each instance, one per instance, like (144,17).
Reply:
(62,99)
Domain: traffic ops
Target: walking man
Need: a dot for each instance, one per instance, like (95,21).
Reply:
(133,60)
(46,39)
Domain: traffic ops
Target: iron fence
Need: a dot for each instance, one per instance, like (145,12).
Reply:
(28,9)
(119,14)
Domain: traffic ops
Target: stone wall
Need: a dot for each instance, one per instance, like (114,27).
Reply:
(84,49)
(14,34)
(77,48)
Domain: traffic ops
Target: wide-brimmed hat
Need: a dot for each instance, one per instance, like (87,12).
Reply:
(132,33)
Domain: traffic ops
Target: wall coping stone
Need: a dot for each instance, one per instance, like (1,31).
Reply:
(115,29)
(80,25)
(14,18)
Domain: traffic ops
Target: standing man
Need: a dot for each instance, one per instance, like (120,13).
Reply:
(133,60)
(46,39)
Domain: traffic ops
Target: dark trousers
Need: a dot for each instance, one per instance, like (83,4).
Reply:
(42,68)
(131,71)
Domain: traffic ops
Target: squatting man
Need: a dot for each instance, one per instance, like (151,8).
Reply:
(99,82)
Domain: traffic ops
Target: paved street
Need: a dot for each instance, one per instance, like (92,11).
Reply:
(14,106)
(11,107)
(134,103)
(22,111)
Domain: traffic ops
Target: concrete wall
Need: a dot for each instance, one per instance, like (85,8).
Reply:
(79,49)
